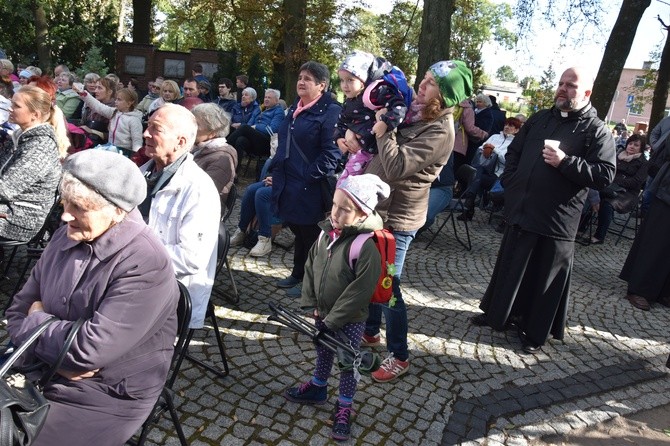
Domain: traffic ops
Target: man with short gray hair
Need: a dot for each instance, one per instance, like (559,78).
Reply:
(255,139)
(182,204)
(60,69)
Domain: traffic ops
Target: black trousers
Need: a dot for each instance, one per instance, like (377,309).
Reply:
(249,140)
(305,236)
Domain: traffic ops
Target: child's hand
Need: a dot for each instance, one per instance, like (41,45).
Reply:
(379,128)
(352,142)
(380,112)
(342,144)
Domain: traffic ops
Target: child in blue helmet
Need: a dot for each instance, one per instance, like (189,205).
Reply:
(362,79)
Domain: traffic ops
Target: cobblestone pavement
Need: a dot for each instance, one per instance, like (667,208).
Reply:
(467,385)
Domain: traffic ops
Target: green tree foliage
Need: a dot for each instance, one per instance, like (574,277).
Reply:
(475,23)
(529,84)
(358,31)
(251,28)
(94,63)
(399,35)
(543,96)
(506,74)
(578,20)
(20,46)
(73,27)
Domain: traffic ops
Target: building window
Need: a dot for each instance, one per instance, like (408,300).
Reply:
(639,82)
(636,109)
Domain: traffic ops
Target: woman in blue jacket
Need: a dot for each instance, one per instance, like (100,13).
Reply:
(254,139)
(306,155)
(247,110)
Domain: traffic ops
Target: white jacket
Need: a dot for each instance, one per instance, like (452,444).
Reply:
(125,129)
(500,142)
(185,215)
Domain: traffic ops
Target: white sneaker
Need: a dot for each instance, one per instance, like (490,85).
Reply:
(238,238)
(262,248)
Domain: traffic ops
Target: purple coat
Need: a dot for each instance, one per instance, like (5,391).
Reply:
(124,284)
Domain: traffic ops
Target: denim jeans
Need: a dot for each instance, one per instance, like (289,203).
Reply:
(257,201)
(439,199)
(396,316)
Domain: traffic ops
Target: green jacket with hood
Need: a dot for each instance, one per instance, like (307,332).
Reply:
(339,294)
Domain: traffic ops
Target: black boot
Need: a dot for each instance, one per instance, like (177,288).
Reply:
(469,210)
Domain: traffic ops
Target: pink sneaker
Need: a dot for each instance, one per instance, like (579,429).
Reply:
(390,369)
(371,341)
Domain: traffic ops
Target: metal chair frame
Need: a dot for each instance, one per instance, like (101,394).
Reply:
(464,176)
(222,259)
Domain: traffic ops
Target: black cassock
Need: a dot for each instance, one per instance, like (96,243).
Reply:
(530,284)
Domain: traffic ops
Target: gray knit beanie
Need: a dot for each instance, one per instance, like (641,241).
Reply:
(110,174)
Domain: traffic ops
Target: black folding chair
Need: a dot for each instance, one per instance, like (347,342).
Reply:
(166,399)
(222,259)
(219,341)
(622,222)
(464,176)
(227,207)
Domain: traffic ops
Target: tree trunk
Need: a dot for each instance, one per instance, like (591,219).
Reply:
(616,52)
(142,21)
(41,35)
(435,35)
(295,47)
(662,83)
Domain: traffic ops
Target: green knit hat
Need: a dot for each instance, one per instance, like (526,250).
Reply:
(454,79)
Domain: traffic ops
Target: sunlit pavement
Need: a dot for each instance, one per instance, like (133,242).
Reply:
(466,384)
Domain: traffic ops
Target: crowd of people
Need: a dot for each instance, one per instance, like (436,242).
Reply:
(385,158)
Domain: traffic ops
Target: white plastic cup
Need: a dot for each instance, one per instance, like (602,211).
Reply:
(552,143)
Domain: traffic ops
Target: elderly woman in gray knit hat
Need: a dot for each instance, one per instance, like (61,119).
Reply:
(107,267)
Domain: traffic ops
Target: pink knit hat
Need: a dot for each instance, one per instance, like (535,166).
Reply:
(365,191)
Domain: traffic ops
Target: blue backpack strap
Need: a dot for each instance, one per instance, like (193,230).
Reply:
(355,248)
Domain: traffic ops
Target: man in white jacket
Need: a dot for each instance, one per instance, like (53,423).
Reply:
(182,204)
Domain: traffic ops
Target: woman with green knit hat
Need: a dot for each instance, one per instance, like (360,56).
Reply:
(409,159)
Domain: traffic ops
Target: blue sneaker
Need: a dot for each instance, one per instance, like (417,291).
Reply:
(307,393)
(289,282)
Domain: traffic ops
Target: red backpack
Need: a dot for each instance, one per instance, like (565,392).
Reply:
(385,243)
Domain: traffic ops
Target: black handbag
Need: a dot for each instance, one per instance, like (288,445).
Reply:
(23,408)
(612,191)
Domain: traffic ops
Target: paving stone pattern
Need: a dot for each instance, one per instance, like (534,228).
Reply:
(467,384)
